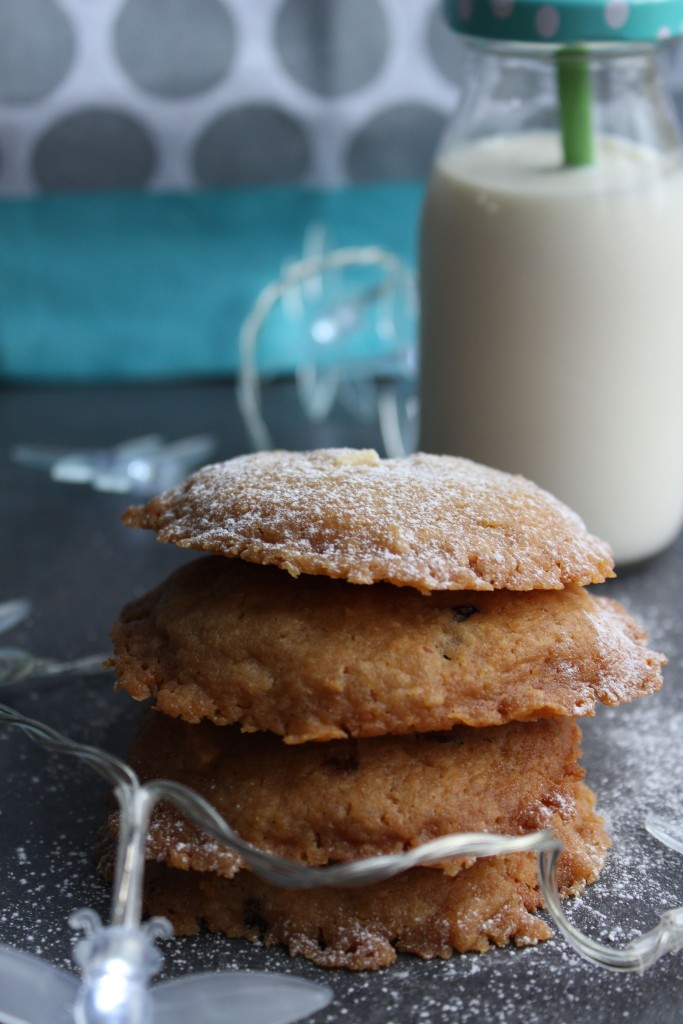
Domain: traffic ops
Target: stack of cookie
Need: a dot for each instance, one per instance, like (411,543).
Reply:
(374,653)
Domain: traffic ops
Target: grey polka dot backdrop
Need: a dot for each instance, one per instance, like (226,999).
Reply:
(181,94)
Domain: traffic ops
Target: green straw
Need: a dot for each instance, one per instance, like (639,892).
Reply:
(574,87)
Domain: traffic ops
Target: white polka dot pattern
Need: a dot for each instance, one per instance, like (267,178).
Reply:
(503,8)
(616,13)
(547,22)
(465,8)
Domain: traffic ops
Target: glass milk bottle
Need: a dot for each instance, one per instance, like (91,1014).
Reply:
(552,263)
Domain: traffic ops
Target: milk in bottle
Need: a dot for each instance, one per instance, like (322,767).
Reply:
(552,302)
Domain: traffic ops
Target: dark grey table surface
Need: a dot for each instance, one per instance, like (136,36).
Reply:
(65,549)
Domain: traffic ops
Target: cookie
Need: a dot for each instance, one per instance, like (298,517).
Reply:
(315,659)
(320,803)
(432,522)
(423,912)
(324,802)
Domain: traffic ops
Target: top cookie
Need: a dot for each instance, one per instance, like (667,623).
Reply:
(433,522)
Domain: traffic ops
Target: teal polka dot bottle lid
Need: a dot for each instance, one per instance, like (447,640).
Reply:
(567,21)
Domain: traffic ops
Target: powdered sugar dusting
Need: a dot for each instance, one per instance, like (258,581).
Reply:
(626,665)
(633,758)
(634,762)
(431,522)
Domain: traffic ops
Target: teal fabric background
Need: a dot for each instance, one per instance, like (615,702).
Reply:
(143,286)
